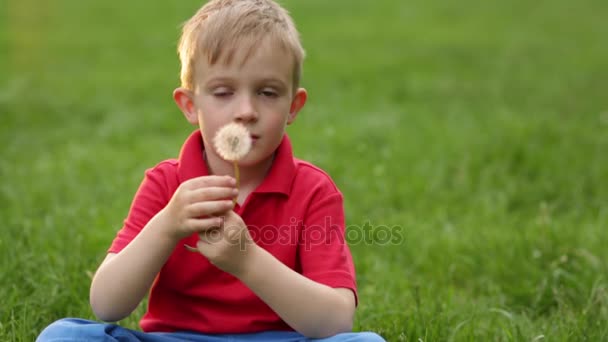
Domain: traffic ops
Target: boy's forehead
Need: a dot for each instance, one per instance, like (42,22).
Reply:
(265,56)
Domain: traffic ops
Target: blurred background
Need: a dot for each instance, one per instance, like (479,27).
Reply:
(471,136)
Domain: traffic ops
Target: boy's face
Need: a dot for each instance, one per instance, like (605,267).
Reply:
(257,92)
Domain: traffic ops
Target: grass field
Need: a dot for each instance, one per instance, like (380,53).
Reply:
(477,131)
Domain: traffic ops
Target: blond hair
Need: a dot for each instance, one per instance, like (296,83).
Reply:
(220,26)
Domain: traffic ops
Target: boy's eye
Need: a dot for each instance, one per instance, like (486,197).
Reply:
(268,93)
(222,92)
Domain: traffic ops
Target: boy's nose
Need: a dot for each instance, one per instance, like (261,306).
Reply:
(246,110)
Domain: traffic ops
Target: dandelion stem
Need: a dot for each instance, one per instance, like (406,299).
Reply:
(237,176)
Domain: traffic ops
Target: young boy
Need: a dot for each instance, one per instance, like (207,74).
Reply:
(274,266)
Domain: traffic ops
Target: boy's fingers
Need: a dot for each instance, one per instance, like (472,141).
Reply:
(211,181)
(211,235)
(209,208)
(205,224)
(211,194)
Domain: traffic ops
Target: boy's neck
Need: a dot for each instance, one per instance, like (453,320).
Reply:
(250,176)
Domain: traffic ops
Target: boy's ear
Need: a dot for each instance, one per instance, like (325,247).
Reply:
(299,100)
(183,99)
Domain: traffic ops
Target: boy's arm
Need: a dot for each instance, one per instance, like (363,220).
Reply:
(123,279)
(313,309)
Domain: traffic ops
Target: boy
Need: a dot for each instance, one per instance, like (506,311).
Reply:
(274,265)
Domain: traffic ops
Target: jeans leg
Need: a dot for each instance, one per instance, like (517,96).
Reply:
(267,336)
(353,337)
(75,329)
(292,336)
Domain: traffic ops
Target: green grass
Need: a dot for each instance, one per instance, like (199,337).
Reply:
(478,129)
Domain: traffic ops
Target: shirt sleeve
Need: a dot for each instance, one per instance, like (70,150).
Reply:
(324,254)
(153,194)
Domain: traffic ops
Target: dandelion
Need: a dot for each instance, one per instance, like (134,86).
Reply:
(233,142)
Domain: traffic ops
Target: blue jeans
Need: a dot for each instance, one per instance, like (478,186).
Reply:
(73,329)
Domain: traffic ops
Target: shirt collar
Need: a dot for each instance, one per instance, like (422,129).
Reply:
(278,180)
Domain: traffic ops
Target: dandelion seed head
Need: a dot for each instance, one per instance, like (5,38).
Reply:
(232,142)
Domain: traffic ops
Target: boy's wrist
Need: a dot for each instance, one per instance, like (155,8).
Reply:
(252,262)
(165,228)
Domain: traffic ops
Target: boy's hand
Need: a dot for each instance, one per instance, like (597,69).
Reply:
(228,246)
(196,203)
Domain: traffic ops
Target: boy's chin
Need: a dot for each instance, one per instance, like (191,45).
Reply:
(249,162)
(254,159)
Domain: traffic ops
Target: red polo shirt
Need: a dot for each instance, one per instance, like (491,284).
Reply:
(296,214)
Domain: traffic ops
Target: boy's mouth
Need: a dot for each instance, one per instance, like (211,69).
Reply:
(254,137)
